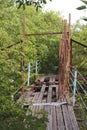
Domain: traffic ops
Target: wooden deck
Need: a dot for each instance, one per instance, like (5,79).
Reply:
(60,114)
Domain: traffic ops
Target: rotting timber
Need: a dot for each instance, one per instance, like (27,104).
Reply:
(65,57)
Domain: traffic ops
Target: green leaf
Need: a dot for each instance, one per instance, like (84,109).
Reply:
(24,6)
(44,1)
(85,19)
(20,4)
(36,8)
(84,1)
(17,1)
(81,7)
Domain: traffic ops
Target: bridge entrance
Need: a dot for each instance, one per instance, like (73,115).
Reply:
(65,56)
(52,92)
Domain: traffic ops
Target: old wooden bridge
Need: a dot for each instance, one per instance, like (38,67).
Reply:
(52,92)
(44,95)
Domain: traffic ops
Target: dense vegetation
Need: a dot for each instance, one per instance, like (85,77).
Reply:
(79,52)
(42,48)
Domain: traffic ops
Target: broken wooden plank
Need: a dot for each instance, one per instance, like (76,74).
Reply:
(41,94)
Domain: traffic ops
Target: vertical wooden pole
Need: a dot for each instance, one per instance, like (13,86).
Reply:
(69,26)
(29,66)
(22,59)
(68,61)
(70,39)
(64,60)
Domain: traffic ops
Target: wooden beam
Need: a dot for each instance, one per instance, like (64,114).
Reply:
(42,34)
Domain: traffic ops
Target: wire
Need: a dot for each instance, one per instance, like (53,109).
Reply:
(78,43)
(81,99)
(78,91)
(79,82)
(82,76)
(72,84)
(72,73)
(82,88)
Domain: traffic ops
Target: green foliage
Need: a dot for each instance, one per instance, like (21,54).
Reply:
(85,19)
(80,61)
(12,117)
(34,48)
(38,121)
(83,7)
(43,48)
(84,1)
(79,52)
(37,4)
(80,111)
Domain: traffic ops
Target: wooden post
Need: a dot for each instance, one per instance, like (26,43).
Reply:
(69,29)
(29,66)
(22,75)
(64,60)
(22,59)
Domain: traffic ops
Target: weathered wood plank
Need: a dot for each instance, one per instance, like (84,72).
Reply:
(40,98)
(49,124)
(54,120)
(41,94)
(66,117)
(28,97)
(49,96)
(56,92)
(35,97)
(73,118)
(59,117)
(52,79)
(60,120)
(48,109)
(34,100)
